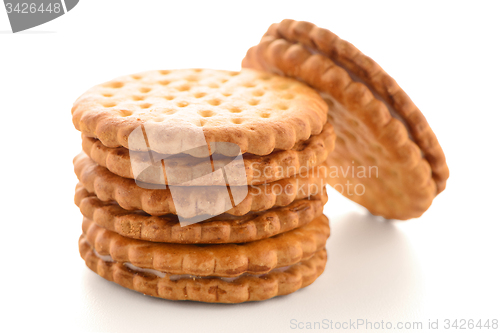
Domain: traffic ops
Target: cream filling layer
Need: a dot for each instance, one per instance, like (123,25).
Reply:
(176,277)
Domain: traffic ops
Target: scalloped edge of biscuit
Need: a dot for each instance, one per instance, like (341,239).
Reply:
(109,187)
(225,260)
(214,231)
(258,169)
(353,60)
(291,48)
(212,290)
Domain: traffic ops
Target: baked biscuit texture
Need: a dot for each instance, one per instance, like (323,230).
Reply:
(257,111)
(213,290)
(194,201)
(222,260)
(224,228)
(258,169)
(378,127)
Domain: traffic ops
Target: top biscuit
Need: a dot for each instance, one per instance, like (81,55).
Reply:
(257,111)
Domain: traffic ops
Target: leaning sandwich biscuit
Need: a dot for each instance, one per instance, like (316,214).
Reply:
(387,157)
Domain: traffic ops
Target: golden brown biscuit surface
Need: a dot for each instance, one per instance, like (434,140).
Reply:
(256,111)
(376,123)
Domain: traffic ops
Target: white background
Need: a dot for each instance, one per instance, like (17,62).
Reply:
(444,265)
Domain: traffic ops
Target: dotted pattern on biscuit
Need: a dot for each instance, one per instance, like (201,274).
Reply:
(257,111)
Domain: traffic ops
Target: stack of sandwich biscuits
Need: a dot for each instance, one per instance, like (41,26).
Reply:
(204,185)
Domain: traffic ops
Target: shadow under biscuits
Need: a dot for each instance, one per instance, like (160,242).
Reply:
(372,269)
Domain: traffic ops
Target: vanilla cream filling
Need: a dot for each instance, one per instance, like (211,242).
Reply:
(144,270)
(176,277)
(105,258)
